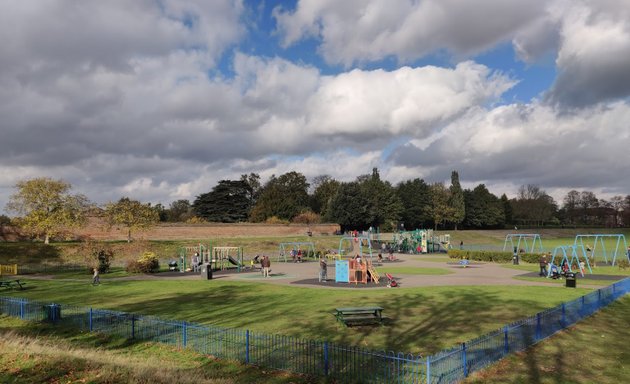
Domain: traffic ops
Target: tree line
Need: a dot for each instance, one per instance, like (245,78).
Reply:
(45,207)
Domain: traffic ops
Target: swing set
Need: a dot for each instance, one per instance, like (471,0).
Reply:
(598,240)
(569,255)
(523,237)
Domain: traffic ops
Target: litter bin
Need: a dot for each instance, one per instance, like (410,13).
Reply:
(52,313)
(515,259)
(206,271)
(570,280)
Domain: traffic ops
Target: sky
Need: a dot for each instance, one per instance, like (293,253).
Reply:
(158,100)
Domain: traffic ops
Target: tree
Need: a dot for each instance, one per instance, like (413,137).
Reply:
(283,197)
(483,209)
(228,202)
(325,188)
(252,182)
(348,207)
(570,205)
(507,209)
(533,206)
(46,208)
(415,196)
(131,214)
(179,211)
(383,204)
(440,209)
(456,200)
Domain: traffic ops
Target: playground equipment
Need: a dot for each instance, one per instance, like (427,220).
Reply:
(350,245)
(186,254)
(295,246)
(523,237)
(351,271)
(222,257)
(598,239)
(420,241)
(565,258)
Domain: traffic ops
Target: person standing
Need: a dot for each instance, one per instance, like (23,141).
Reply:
(323,270)
(195,262)
(96,280)
(543,265)
(266,264)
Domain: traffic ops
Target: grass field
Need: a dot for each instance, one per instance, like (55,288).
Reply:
(419,320)
(593,351)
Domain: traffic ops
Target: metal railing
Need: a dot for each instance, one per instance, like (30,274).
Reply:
(321,358)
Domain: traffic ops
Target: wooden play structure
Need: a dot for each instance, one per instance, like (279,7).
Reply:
(288,248)
(351,271)
(522,240)
(599,247)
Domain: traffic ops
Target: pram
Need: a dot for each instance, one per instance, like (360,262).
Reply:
(391,282)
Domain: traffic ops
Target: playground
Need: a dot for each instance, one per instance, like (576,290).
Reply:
(434,298)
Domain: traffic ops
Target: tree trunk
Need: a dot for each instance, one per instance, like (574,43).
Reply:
(129,235)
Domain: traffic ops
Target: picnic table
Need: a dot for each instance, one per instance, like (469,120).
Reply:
(11,284)
(359,315)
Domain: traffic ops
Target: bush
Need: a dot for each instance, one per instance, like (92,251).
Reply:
(147,263)
(276,220)
(623,264)
(97,256)
(493,256)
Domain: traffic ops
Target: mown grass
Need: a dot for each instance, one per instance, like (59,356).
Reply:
(40,353)
(593,351)
(420,320)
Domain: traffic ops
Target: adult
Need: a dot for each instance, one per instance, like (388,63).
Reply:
(96,280)
(266,265)
(323,270)
(543,265)
(195,262)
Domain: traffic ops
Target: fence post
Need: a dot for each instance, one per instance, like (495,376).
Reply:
(564,317)
(464,360)
(22,309)
(247,346)
(429,369)
(133,326)
(538,327)
(90,320)
(184,334)
(506,341)
(325,358)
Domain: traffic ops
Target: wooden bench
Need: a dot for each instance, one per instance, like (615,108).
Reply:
(11,284)
(359,315)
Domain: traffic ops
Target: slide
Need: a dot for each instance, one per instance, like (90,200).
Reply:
(233,261)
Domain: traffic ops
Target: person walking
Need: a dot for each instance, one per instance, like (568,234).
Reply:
(543,265)
(96,280)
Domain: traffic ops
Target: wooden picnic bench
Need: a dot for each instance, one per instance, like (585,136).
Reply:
(360,315)
(11,284)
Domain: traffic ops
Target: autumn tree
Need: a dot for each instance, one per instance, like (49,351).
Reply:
(131,214)
(46,208)
(440,208)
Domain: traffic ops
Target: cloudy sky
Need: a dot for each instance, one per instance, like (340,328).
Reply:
(157,100)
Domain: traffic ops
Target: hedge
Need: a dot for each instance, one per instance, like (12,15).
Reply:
(493,256)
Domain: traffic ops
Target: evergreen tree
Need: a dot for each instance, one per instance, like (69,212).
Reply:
(415,196)
(283,197)
(228,202)
(456,201)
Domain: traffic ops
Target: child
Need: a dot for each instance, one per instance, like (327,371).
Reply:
(96,280)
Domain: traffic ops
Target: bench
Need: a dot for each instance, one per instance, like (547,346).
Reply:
(359,315)
(11,284)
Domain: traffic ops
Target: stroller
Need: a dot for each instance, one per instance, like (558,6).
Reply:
(391,282)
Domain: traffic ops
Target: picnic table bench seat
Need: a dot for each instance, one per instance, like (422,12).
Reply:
(359,315)
(11,284)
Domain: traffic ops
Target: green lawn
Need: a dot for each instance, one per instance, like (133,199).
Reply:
(593,351)
(41,353)
(420,320)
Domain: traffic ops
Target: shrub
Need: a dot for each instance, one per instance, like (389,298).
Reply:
(623,264)
(97,256)
(276,220)
(147,263)
(492,256)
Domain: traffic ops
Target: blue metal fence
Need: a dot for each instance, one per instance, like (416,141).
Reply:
(321,358)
